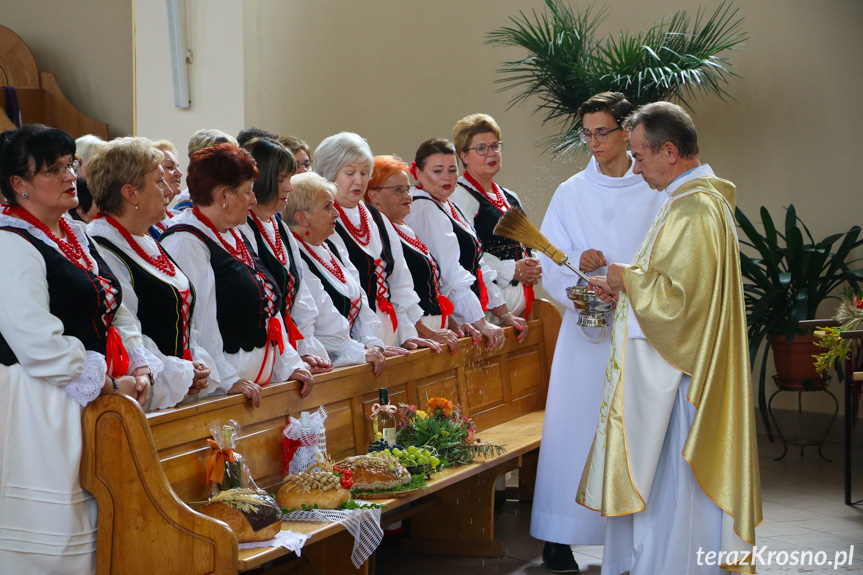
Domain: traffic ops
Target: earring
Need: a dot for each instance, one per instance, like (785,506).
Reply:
(307,232)
(25,194)
(136,206)
(225,206)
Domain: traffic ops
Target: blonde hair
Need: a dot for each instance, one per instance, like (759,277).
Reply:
(165,146)
(87,146)
(468,127)
(121,161)
(302,199)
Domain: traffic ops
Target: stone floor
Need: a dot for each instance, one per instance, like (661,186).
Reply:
(803,510)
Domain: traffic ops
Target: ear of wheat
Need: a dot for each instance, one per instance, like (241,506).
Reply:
(515,226)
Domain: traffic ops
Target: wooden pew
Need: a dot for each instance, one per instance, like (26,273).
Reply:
(143,468)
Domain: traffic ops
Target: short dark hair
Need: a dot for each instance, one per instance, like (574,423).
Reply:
(85,200)
(35,142)
(272,159)
(225,165)
(665,122)
(249,134)
(430,148)
(614,103)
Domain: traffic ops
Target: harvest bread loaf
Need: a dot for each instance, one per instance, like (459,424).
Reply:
(321,489)
(252,514)
(381,472)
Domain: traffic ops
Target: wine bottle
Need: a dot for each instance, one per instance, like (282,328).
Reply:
(386,420)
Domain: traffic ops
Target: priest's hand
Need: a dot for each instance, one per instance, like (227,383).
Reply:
(615,277)
(591,260)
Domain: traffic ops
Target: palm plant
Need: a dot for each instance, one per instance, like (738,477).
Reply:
(566,63)
(788,279)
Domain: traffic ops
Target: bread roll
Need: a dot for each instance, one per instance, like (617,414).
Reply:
(379,473)
(319,488)
(252,515)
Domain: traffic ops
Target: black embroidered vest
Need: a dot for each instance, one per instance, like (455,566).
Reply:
(486,219)
(241,301)
(281,274)
(76,297)
(422,273)
(470,248)
(160,305)
(340,300)
(365,263)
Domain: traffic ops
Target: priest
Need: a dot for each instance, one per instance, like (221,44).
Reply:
(598,215)
(674,464)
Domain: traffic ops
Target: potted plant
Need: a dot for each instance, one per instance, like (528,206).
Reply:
(566,63)
(789,275)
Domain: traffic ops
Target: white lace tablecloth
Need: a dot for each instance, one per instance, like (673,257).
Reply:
(363,524)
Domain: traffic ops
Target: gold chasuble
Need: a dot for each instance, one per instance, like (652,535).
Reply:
(686,292)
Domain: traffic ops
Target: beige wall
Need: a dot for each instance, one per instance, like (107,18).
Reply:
(214,33)
(88,45)
(399,72)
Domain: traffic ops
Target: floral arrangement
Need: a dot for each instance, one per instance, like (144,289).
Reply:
(849,315)
(443,427)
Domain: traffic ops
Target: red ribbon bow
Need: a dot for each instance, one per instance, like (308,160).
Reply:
(386,307)
(115,353)
(414,170)
(446,308)
(528,299)
(483,291)
(294,334)
(274,333)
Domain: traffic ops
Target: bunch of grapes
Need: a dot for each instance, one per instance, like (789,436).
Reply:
(414,456)
(382,445)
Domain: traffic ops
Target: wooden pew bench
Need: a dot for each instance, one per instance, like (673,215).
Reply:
(142,469)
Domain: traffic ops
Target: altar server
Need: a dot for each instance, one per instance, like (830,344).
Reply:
(674,464)
(599,213)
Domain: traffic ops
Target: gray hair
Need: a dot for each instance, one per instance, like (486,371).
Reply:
(87,146)
(665,122)
(338,151)
(302,199)
(209,137)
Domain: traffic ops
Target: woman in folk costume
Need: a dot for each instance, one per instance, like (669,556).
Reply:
(128,185)
(347,326)
(477,141)
(274,245)
(389,191)
(599,214)
(173,181)
(452,241)
(237,313)
(370,241)
(65,339)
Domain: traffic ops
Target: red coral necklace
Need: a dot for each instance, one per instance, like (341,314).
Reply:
(278,246)
(70,247)
(498,200)
(333,267)
(162,263)
(362,234)
(241,252)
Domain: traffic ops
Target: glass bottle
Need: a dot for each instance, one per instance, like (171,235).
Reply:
(386,420)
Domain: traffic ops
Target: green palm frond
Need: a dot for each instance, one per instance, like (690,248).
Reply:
(566,64)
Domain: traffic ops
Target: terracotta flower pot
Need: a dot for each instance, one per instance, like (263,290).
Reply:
(795,366)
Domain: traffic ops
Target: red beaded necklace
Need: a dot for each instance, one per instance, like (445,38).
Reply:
(278,246)
(498,201)
(241,252)
(162,263)
(421,247)
(362,234)
(333,267)
(70,247)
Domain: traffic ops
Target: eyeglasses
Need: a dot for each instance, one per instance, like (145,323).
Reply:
(482,149)
(601,135)
(397,190)
(59,172)
(307,165)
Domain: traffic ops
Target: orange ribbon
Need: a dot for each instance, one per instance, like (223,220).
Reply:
(216,462)
(115,353)
(483,291)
